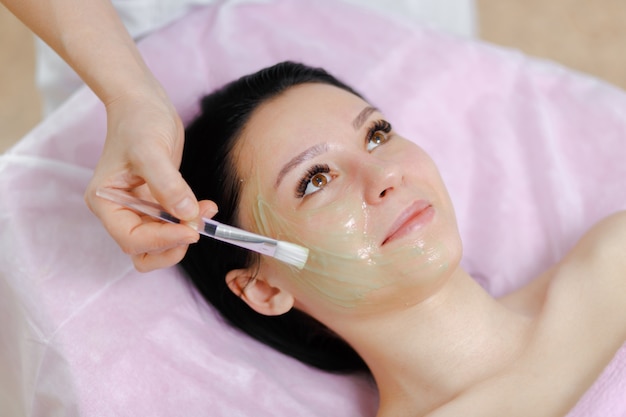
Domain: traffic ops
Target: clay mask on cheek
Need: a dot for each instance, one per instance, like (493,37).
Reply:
(346,267)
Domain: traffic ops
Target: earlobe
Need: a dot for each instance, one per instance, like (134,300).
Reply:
(258,293)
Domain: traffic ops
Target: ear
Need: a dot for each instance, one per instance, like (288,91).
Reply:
(260,295)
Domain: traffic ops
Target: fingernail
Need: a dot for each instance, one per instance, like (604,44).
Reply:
(186,209)
(191,241)
(210,212)
(186,242)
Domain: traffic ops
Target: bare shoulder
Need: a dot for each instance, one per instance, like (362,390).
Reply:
(591,279)
(597,261)
(579,302)
(601,252)
(609,238)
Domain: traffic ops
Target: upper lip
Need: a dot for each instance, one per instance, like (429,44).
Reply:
(405,216)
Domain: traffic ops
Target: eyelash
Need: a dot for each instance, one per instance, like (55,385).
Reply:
(311,172)
(377,126)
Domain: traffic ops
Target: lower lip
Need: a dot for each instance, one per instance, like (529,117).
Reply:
(416,222)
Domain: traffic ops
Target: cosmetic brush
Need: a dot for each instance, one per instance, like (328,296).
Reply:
(283,251)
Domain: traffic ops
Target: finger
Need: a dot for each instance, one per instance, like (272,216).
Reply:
(137,234)
(154,260)
(167,184)
(208,208)
(155,236)
(150,261)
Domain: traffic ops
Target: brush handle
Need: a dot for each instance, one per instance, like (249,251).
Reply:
(206,227)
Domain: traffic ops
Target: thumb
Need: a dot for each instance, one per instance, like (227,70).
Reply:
(169,188)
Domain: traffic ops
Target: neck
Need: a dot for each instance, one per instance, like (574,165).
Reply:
(427,354)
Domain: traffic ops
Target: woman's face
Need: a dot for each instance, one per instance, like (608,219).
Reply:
(324,169)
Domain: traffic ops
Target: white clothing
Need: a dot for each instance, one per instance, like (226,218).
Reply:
(57,81)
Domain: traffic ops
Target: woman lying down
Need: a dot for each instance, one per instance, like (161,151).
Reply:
(292,153)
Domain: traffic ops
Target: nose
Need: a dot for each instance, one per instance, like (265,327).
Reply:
(381,179)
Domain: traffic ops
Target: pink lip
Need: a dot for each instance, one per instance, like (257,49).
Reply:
(414,217)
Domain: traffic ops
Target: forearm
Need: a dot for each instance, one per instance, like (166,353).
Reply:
(91,38)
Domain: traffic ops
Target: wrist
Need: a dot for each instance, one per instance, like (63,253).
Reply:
(143,89)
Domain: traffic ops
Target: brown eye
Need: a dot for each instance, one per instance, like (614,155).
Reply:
(316,178)
(319,180)
(377,138)
(378,134)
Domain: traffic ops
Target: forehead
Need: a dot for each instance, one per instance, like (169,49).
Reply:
(298,118)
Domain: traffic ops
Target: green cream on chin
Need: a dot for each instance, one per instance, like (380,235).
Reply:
(346,268)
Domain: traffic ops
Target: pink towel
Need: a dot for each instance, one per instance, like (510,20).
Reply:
(533,155)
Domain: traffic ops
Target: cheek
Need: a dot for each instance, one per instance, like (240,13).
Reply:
(346,270)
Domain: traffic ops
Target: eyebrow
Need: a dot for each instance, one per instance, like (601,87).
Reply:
(309,153)
(362,117)
(320,148)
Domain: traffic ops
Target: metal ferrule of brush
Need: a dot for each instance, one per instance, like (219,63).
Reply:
(248,240)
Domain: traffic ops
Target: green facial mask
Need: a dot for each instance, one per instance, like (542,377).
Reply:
(346,268)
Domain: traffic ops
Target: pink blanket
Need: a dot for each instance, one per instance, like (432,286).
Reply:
(533,155)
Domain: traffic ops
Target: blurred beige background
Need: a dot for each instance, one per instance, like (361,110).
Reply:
(586,35)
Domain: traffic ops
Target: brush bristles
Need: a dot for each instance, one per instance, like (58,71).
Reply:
(292,254)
